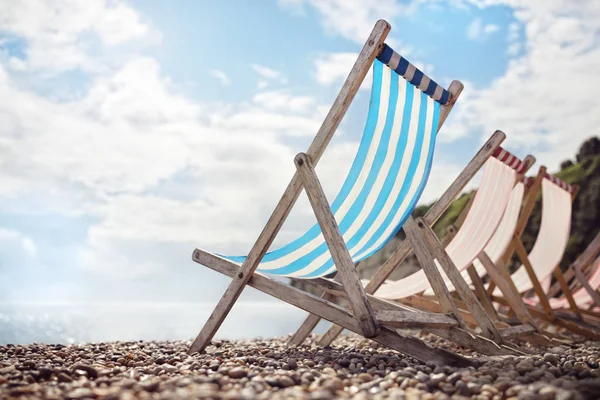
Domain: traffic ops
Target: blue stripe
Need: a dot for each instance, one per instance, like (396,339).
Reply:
(421,188)
(445,96)
(431,88)
(386,54)
(384,147)
(359,202)
(414,162)
(392,175)
(353,174)
(417,77)
(380,156)
(402,66)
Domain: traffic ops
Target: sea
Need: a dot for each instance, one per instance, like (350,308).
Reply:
(71,323)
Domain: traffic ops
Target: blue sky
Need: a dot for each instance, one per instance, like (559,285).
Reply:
(133,131)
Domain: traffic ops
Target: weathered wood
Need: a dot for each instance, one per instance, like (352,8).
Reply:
(450,233)
(508,289)
(408,345)
(427,262)
(432,215)
(408,319)
(360,69)
(516,331)
(435,248)
(337,247)
(537,287)
(577,327)
(584,282)
(461,336)
(481,294)
(476,342)
(566,292)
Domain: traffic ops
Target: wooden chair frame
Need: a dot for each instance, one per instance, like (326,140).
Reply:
(368,316)
(576,275)
(473,312)
(546,313)
(433,249)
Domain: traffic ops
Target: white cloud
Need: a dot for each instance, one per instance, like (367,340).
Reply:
(149,164)
(221,76)
(542,101)
(478,31)
(351,19)
(57,31)
(284,101)
(268,75)
(333,68)
(490,28)
(9,236)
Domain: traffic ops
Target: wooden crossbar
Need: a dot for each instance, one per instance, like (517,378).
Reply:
(332,312)
(456,334)
(432,215)
(337,247)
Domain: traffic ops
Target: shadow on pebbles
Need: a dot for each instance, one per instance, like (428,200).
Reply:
(260,368)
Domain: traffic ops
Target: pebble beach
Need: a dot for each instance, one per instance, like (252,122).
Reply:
(269,368)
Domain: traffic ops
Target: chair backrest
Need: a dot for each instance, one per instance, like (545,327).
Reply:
(481,222)
(553,235)
(485,214)
(387,177)
(504,234)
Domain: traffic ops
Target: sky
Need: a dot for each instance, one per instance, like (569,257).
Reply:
(132,132)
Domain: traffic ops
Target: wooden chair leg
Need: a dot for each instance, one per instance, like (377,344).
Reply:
(434,213)
(391,338)
(432,244)
(508,289)
(583,281)
(482,295)
(567,292)
(537,287)
(337,247)
(427,262)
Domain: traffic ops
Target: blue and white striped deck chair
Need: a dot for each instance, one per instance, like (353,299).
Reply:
(386,179)
(382,188)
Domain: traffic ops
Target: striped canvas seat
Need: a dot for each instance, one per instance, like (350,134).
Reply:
(504,234)
(386,178)
(552,237)
(482,221)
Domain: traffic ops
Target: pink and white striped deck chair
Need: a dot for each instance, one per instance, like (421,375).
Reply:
(543,260)
(480,225)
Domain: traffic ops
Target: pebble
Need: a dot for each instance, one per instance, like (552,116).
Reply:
(257,369)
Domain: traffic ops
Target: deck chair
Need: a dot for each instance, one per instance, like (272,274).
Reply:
(583,290)
(483,218)
(583,262)
(385,181)
(542,262)
(586,296)
(491,263)
(501,170)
